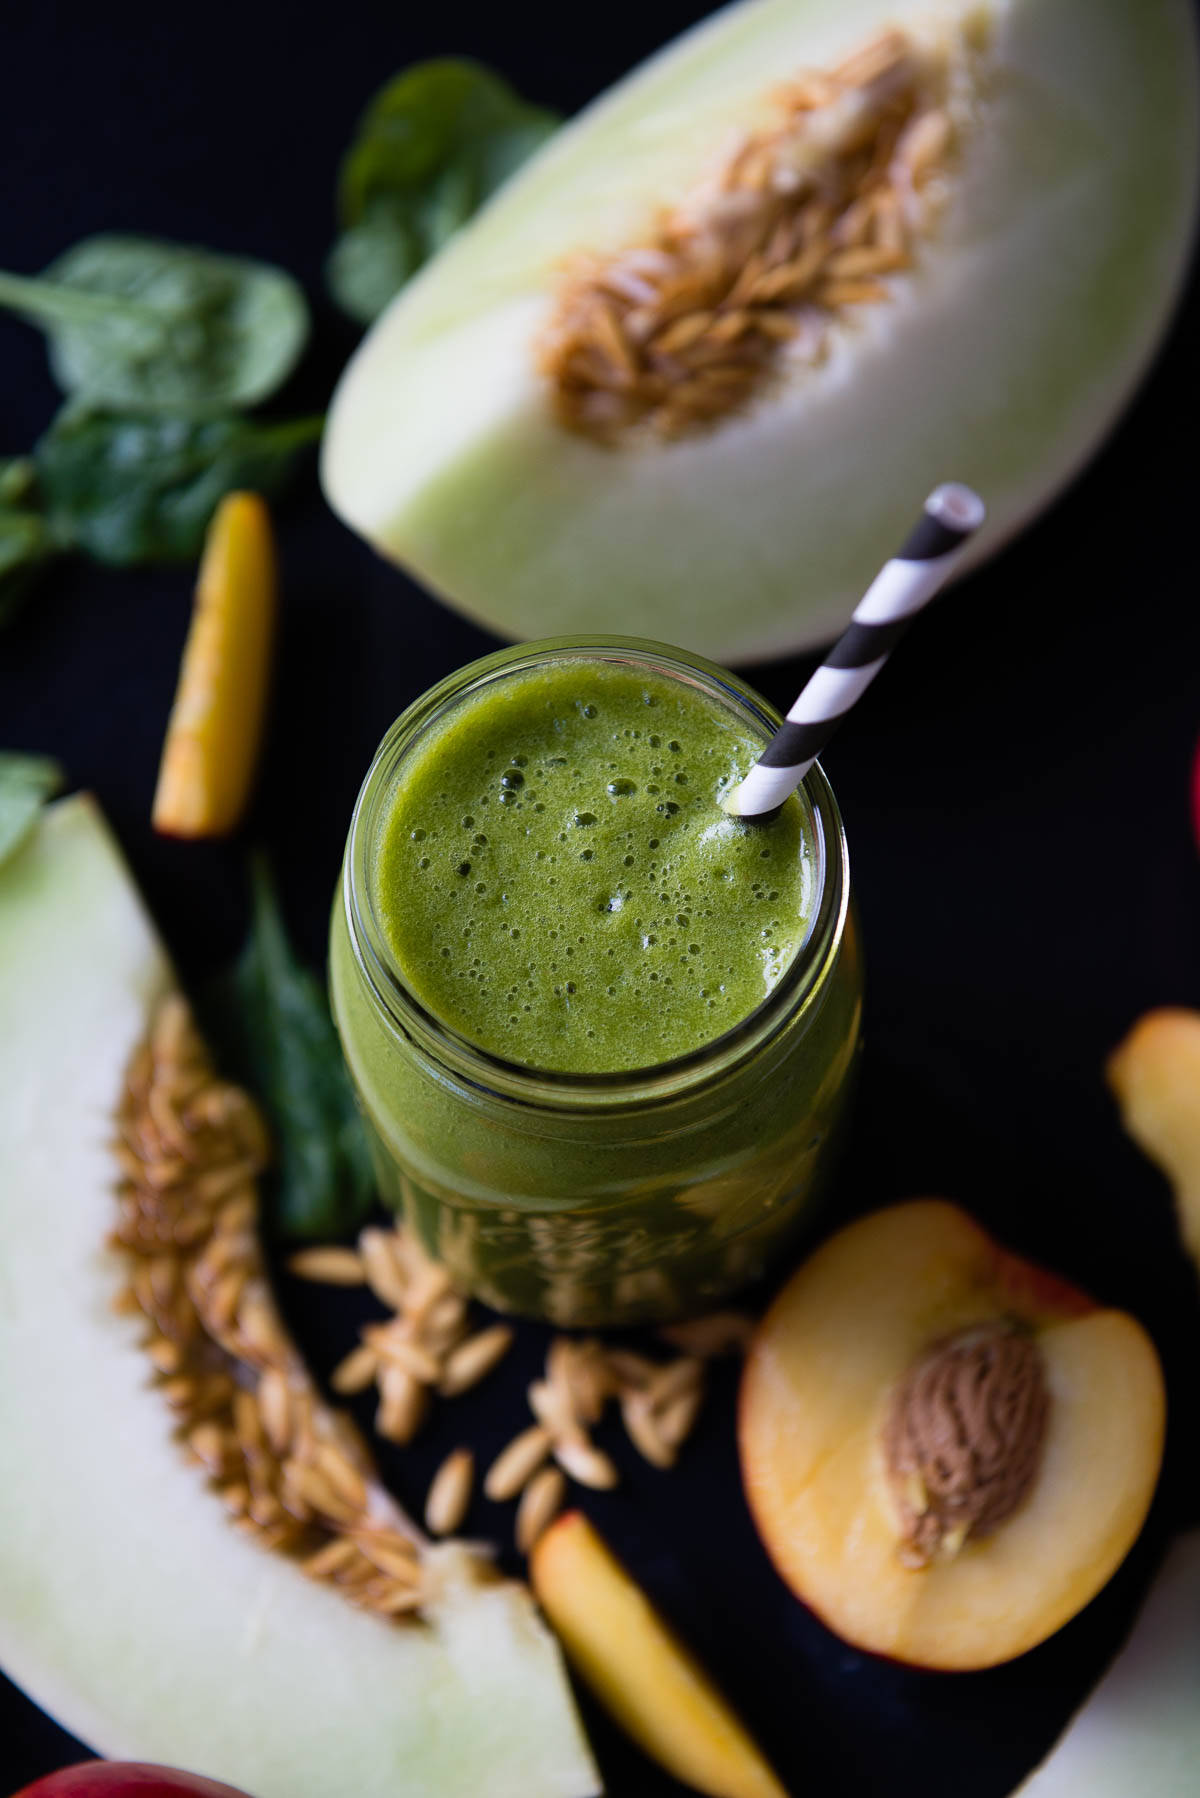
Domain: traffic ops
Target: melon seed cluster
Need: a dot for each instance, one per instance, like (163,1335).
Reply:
(293,1473)
(800,225)
(426,1350)
(425,1347)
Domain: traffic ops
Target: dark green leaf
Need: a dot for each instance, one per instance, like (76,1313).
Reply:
(26,782)
(432,146)
(139,325)
(18,476)
(128,490)
(371,261)
(26,545)
(270,1024)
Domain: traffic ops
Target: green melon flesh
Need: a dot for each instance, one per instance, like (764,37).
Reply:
(1138,1736)
(128,1608)
(1001,361)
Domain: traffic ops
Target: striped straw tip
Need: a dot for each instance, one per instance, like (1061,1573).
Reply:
(905,584)
(957,506)
(731,806)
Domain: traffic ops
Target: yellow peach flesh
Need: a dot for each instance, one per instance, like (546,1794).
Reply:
(817,1384)
(652,1685)
(1155,1074)
(216,725)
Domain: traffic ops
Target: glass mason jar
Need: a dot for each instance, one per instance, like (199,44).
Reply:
(593,1199)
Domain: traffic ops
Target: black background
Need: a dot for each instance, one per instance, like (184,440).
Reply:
(1014,786)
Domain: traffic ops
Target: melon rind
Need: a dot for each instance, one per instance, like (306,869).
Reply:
(128,1607)
(1002,360)
(1139,1733)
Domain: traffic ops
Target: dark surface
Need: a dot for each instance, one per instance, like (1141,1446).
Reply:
(1015,790)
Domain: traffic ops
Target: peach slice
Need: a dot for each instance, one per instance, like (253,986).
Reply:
(216,725)
(1155,1074)
(946,1450)
(638,1669)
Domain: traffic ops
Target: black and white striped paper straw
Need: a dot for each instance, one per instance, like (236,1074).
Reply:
(951,516)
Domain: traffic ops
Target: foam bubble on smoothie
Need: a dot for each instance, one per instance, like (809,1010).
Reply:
(556,882)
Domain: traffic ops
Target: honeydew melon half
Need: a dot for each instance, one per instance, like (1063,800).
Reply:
(1001,358)
(128,1608)
(1140,1730)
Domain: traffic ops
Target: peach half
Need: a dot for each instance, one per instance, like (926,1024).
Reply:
(947,1451)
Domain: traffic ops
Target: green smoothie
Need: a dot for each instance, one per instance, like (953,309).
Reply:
(557,882)
(603,1036)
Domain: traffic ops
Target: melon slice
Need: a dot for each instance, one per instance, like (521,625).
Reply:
(1000,357)
(1140,1730)
(130,1609)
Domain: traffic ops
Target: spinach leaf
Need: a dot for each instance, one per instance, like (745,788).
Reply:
(431,147)
(129,490)
(371,261)
(18,478)
(26,545)
(270,1023)
(140,325)
(26,782)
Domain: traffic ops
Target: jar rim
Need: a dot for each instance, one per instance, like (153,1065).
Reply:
(403,1011)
